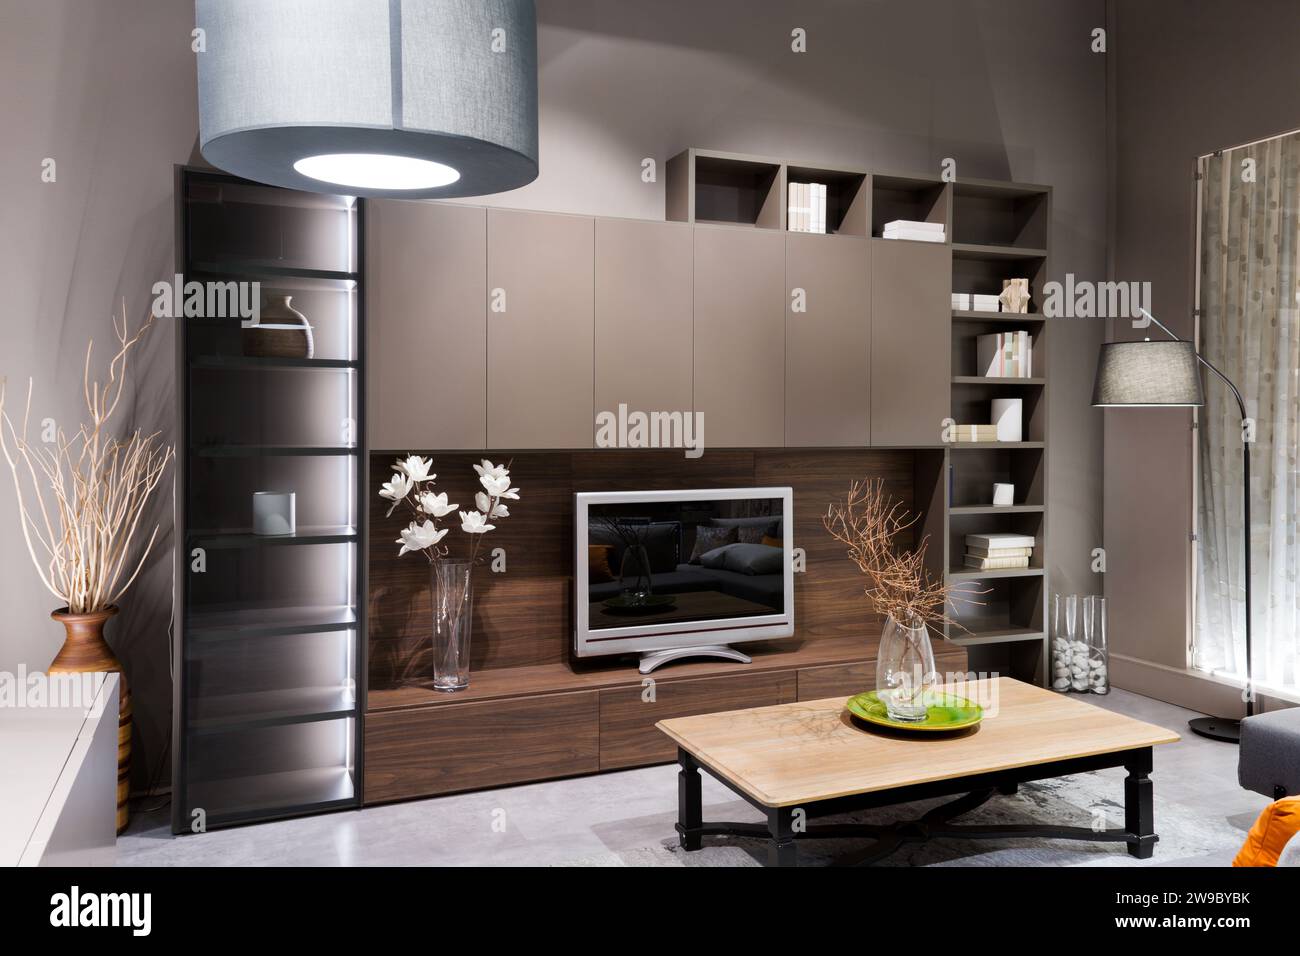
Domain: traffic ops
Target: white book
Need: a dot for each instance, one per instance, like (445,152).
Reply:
(1027,353)
(961,301)
(988,355)
(817,207)
(914,224)
(995,564)
(805,219)
(792,206)
(916,235)
(992,542)
(821,215)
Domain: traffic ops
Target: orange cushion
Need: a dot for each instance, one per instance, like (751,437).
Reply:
(1275,827)
(598,562)
(772,542)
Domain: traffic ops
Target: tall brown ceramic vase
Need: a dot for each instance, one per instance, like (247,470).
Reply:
(85,651)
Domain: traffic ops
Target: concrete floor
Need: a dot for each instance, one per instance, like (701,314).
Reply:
(627,818)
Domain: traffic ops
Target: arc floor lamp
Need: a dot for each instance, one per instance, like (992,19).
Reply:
(1163,374)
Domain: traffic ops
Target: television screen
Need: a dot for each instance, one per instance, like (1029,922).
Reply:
(659,572)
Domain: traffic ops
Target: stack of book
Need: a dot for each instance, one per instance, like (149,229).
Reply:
(910,229)
(975,301)
(966,433)
(1005,355)
(998,552)
(806,209)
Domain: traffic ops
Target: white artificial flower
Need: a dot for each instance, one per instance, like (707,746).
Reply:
(473,522)
(417,537)
(485,503)
(415,467)
(395,489)
(436,505)
(511,493)
(489,470)
(494,486)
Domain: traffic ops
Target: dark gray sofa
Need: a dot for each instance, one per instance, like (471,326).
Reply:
(1269,759)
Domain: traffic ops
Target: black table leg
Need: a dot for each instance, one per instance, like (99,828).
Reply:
(780,825)
(690,809)
(1139,813)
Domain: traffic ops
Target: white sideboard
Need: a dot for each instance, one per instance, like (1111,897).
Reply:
(59,788)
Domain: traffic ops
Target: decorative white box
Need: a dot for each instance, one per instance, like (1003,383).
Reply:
(1003,495)
(274,512)
(1008,416)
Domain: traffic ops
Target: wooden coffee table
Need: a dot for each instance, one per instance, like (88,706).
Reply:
(803,760)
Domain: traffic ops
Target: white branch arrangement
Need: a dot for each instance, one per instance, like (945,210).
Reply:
(412,486)
(80,497)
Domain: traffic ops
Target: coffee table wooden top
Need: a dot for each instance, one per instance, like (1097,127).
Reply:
(812,750)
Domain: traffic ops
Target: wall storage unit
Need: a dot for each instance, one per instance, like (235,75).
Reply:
(1000,232)
(266,716)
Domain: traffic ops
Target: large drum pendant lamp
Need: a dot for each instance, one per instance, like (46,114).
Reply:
(397,98)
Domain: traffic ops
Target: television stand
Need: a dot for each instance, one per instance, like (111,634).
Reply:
(652,659)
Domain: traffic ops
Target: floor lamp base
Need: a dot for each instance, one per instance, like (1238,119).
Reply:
(1217,728)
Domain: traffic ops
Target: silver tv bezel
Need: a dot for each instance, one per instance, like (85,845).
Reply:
(655,637)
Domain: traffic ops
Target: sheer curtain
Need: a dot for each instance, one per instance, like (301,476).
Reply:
(1250,329)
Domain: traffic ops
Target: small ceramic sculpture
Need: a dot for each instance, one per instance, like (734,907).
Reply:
(1015,295)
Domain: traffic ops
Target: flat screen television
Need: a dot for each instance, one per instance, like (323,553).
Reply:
(671,574)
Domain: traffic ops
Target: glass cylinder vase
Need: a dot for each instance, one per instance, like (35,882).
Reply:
(453,615)
(905,670)
(1095,636)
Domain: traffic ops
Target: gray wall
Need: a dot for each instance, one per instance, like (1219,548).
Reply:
(106,90)
(1009,88)
(1191,76)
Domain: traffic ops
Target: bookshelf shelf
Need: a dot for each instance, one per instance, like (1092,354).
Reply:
(996,380)
(967,315)
(975,250)
(959,510)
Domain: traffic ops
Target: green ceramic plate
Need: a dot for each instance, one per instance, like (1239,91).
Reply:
(944,712)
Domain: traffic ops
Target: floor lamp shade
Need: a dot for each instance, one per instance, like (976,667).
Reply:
(398,98)
(1147,373)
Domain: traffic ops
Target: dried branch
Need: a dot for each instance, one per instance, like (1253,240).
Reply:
(90,490)
(899,584)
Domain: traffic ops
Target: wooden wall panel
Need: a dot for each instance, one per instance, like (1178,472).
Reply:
(525,616)
(828,595)
(468,746)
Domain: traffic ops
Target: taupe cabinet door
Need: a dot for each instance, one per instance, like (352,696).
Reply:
(828,344)
(643,316)
(540,330)
(740,304)
(911,341)
(426,268)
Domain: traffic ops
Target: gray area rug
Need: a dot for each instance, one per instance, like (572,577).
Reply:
(1187,837)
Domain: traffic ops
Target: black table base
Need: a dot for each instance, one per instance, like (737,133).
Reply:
(786,826)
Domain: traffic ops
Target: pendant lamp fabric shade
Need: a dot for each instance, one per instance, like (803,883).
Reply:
(1148,373)
(423,82)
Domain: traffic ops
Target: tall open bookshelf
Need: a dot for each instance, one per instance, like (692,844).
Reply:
(267,642)
(1000,231)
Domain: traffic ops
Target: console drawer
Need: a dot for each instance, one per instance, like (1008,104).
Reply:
(628,737)
(450,747)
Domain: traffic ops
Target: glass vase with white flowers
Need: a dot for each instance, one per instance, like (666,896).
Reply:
(451,585)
